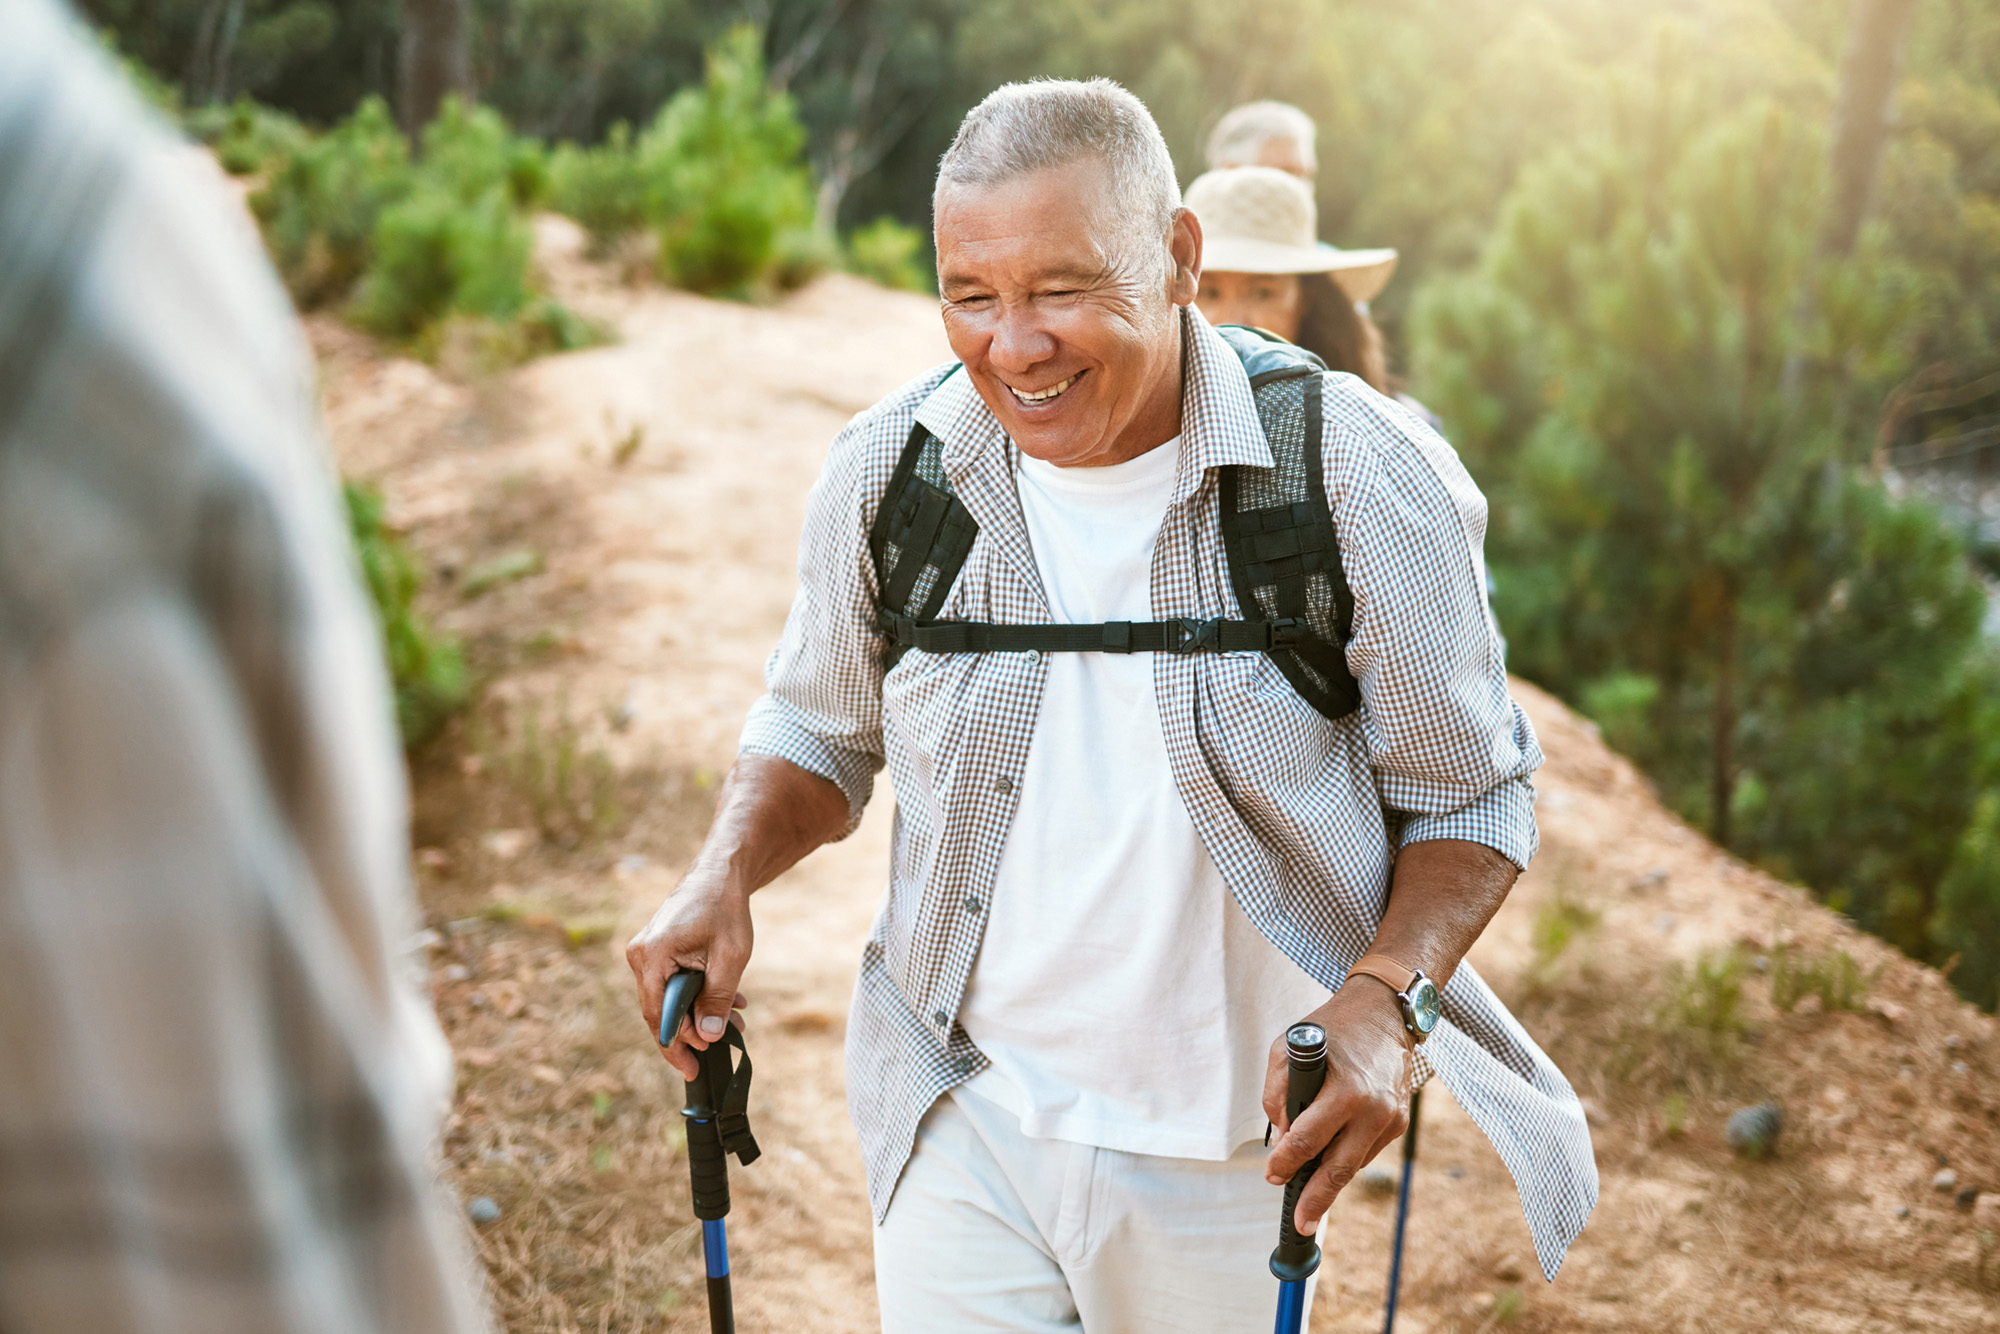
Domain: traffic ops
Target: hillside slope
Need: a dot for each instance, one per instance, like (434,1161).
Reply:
(613,535)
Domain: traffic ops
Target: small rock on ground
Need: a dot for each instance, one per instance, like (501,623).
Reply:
(1753,1131)
(1378,1180)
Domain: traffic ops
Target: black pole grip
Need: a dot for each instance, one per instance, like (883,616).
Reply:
(708,1160)
(1297,1256)
(682,989)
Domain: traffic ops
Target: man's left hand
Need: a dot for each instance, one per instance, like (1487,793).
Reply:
(1362,1107)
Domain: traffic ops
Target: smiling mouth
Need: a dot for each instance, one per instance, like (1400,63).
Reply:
(1045,396)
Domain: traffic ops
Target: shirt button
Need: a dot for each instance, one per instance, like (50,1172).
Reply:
(1003,785)
(940,1018)
(963,1065)
(973,905)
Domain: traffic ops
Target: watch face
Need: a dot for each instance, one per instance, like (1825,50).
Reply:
(1426,1005)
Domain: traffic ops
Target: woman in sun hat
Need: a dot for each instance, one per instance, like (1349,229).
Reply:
(1263,264)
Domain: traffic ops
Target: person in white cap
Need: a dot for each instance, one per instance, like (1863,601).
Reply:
(1265,266)
(1265,134)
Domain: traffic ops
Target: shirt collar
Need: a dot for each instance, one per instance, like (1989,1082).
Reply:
(1218,415)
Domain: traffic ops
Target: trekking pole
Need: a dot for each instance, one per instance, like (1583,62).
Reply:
(718,1099)
(1403,1209)
(1297,1256)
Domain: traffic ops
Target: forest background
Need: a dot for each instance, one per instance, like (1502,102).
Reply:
(1707,293)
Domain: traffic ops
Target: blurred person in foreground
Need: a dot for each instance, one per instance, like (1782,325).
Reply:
(1119,876)
(1265,134)
(219,1086)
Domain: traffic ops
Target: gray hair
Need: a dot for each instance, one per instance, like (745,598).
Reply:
(1027,127)
(1239,137)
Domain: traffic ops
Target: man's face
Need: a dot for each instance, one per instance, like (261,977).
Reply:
(1067,326)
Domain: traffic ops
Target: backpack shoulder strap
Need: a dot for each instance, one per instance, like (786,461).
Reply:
(922,532)
(1277,526)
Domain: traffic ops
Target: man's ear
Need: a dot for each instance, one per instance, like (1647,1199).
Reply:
(1184,245)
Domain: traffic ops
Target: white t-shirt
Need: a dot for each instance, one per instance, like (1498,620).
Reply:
(1124,998)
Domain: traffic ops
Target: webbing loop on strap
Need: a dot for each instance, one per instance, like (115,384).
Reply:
(1184,635)
(733,1106)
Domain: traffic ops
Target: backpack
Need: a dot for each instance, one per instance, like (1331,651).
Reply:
(1277,533)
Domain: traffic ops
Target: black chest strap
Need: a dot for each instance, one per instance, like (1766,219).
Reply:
(1188,634)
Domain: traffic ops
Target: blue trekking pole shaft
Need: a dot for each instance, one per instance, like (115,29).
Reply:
(1402,1211)
(1297,1256)
(708,1163)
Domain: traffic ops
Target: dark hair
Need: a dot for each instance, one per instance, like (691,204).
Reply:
(1335,328)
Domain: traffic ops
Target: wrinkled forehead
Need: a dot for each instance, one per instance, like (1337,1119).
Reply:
(1056,221)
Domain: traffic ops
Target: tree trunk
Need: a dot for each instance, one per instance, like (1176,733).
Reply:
(435,60)
(1722,725)
(225,46)
(1861,117)
(201,57)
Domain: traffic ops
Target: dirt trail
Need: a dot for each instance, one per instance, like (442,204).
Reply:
(632,511)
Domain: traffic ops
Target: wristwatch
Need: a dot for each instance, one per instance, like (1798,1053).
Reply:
(1417,996)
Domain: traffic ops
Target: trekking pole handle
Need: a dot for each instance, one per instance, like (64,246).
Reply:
(1297,1255)
(682,989)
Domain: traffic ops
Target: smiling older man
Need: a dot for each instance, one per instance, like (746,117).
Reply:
(1144,824)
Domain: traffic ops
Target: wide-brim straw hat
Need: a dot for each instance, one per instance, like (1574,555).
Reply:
(1262,220)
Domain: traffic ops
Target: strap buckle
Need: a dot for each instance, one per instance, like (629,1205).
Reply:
(1191,634)
(1288,632)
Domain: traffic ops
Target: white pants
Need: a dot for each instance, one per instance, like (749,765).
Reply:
(990,1229)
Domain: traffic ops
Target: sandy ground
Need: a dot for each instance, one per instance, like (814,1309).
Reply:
(651,490)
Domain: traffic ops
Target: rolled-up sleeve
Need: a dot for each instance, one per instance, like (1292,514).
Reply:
(1451,750)
(822,706)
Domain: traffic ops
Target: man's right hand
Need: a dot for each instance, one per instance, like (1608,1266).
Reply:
(704,924)
(771,813)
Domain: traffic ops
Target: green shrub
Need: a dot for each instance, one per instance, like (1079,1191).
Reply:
(725,179)
(602,187)
(459,242)
(469,154)
(437,255)
(1967,918)
(887,252)
(1621,704)
(427,670)
(412,246)
(247,136)
(719,175)
(1560,921)
(1834,977)
(1707,1001)
(321,205)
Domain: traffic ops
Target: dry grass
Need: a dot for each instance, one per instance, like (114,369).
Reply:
(564,1116)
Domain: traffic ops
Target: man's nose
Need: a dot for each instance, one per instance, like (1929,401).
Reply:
(1019,342)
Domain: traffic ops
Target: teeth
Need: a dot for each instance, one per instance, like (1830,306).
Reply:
(1046,394)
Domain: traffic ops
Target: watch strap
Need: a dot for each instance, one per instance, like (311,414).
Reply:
(1386,971)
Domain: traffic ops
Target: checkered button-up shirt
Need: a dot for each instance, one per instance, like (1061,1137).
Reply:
(1301,815)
